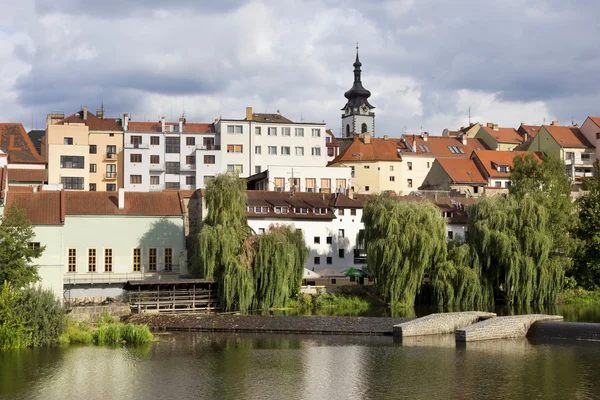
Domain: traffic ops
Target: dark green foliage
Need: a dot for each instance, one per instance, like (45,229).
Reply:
(13,334)
(16,256)
(586,263)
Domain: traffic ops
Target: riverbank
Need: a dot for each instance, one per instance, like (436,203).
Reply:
(579,297)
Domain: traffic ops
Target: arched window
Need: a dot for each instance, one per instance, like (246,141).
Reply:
(363,128)
(347,129)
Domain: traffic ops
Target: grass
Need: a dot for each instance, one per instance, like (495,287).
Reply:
(105,331)
(329,300)
(579,296)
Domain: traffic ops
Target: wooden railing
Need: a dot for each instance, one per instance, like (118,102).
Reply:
(173,300)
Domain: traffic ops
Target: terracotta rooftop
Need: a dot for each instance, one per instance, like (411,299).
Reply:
(188,127)
(27,175)
(41,208)
(462,170)
(531,130)
(15,142)
(136,203)
(504,135)
(568,136)
(491,159)
(379,149)
(440,146)
(93,122)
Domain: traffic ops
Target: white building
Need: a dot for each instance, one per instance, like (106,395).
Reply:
(302,179)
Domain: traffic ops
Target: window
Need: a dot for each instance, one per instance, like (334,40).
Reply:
(190,141)
(168,259)
(93,149)
(190,180)
(135,158)
(209,159)
(111,135)
(272,150)
(310,184)
(108,261)
(172,167)
(152,260)
(237,129)
(353,211)
(155,180)
(340,211)
(172,145)
(135,140)
(366,188)
(299,151)
(392,179)
(316,133)
(154,159)
(111,151)
(329,260)
(70,182)
(257,169)
(409,183)
(72,260)
(190,160)
(272,131)
(341,233)
(409,165)
(507,184)
(111,171)
(341,253)
(236,168)
(503,168)
(325,185)
(279,183)
(316,151)
(261,231)
(340,184)
(257,131)
(391,168)
(257,150)
(235,148)
(154,140)
(111,187)
(68,141)
(317,260)
(498,184)
(75,162)
(34,245)
(172,185)
(91,260)
(295,183)
(93,167)
(285,132)
(327,139)
(450,235)
(317,240)
(363,128)
(135,179)
(285,150)
(367,167)
(428,164)
(330,151)
(137,259)
(299,132)
(329,239)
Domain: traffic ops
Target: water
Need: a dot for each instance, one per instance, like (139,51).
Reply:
(244,366)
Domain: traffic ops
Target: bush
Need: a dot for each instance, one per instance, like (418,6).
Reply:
(119,332)
(13,334)
(77,333)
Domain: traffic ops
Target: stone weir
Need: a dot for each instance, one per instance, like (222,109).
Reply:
(440,323)
(502,327)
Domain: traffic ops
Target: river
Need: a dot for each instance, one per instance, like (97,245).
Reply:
(245,366)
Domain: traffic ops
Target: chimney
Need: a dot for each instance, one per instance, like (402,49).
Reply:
(554,123)
(464,140)
(425,136)
(125,121)
(53,118)
(385,137)
(180,124)
(85,113)
(495,127)
(351,192)
(162,122)
(367,139)
(489,125)
(121,199)
(248,113)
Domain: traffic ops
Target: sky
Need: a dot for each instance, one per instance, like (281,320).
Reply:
(426,62)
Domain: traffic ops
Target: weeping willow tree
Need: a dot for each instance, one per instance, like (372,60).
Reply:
(403,241)
(513,241)
(278,266)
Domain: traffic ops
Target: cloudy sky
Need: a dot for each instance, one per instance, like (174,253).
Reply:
(425,61)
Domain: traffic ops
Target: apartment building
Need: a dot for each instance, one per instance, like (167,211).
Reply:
(302,179)
(84,151)
(498,138)
(169,155)
(19,155)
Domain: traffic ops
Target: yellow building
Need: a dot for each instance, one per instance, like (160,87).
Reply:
(496,138)
(85,152)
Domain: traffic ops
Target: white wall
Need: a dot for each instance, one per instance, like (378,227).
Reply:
(302,172)
(51,263)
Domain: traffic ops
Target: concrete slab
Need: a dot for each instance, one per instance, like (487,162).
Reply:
(502,327)
(435,324)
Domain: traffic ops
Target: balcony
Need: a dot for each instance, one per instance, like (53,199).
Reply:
(360,260)
(156,188)
(157,167)
(137,146)
(110,176)
(187,167)
(110,156)
(71,278)
(208,147)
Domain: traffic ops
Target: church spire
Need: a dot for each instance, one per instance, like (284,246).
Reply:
(357,95)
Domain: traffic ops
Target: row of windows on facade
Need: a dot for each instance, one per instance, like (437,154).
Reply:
(155,180)
(153,260)
(272,131)
(297,210)
(341,254)
(309,183)
(284,150)
(409,166)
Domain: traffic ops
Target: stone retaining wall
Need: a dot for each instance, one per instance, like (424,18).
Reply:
(502,327)
(87,313)
(435,324)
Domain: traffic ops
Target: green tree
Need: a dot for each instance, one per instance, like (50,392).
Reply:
(16,255)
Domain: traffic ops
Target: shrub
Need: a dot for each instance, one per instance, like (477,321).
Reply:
(77,333)
(43,314)
(13,333)
(136,334)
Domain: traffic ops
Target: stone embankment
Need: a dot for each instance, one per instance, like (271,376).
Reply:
(93,312)
(269,324)
(568,331)
(436,324)
(502,327)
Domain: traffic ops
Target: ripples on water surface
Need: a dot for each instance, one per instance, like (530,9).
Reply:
(244,366)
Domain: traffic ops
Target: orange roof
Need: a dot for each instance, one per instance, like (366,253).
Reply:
(491,159)
(568,136)
(462,170)
(189,127)
(595,120)
(377,150)
(440,146)
(15,142)
(531,130)
(93,123)
(27,175)
(504,135)
(136,203)
(41,208)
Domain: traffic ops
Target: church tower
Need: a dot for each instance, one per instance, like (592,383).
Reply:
(358,116)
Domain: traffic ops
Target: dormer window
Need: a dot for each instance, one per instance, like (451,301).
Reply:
(503,168)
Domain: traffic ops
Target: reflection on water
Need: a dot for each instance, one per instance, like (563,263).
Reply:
(245,366)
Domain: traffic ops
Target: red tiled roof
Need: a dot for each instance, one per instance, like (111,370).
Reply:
(93,123)
(491,158)
(41,208)
(193,127)
(568,136)
(439,146)
(504,135)
(531,130)
(27,175)
(15,142)
(377,150)
(462,170)
(136,203)
(189,127)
